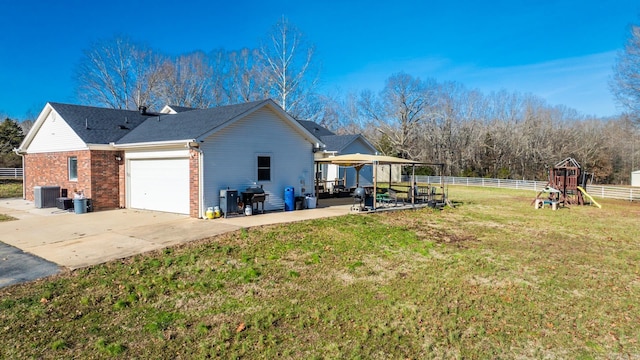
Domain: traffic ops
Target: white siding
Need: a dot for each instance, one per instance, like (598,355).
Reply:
(366,173)
(55,135)
(635,178)
(230,158)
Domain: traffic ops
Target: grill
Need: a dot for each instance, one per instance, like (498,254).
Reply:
(359,195)
(254,196)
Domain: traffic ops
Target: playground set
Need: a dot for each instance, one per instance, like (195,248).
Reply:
(566,186)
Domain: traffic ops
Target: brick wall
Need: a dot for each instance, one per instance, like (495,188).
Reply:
(194,179)
(52,169)
(105,179)
(98,175)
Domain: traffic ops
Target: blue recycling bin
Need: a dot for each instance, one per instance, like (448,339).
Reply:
(80,206)
(289,199)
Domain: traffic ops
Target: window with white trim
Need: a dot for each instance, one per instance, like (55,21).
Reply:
(264,168)
(73,168)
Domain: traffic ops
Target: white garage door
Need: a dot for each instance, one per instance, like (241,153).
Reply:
(159,184)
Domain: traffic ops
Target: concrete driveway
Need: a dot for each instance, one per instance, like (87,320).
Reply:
(79,240)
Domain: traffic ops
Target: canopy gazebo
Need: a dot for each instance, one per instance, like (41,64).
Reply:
(358,161)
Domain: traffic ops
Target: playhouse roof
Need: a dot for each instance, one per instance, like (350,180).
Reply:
(568,162)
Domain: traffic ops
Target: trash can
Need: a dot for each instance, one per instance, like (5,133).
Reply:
(80,206)
(311,202)
(289,199)
(300,201)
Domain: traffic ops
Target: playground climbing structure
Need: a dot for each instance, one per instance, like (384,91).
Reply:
(567,184)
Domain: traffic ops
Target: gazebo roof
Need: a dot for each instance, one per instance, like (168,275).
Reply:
(365,159)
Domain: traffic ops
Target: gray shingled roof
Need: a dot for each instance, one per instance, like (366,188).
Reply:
(186,125)
(332,141)
(316,129)
(337,142)
(99,125)
(103,126)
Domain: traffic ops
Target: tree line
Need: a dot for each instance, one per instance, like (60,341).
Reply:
(500,134)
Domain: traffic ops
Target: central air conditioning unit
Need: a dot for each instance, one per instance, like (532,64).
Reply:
(46,196)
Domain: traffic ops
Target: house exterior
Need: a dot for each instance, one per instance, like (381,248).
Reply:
(177,160)
(339,145)
(635,178)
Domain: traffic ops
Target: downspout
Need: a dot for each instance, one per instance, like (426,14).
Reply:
(24,180)
(200,182)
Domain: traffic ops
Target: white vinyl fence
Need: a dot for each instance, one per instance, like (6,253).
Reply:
(605,192)
(11,173)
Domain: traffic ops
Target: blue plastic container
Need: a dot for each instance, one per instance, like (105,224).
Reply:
(80,206)
(289,199)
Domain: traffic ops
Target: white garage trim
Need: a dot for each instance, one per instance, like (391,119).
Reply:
(158,183)
(167,154)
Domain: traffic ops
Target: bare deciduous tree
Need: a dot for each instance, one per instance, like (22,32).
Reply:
(246,75)
(187,81)
(399,109)
(289,59)
(625,84)
(118,73)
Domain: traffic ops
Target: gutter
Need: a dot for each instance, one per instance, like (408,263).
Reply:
(154,144)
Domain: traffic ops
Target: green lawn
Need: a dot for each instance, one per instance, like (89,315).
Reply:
(10,188)
(493,278)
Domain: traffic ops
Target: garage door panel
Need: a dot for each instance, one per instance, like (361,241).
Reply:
(159,184)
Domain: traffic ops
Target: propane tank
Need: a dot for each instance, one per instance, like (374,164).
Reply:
(248,210)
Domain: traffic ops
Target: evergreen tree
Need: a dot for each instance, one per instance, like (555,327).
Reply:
(10,137)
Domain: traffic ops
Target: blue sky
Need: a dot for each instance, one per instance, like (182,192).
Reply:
(561,50)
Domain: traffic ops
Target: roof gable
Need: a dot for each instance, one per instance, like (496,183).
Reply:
(91,125)
(53,134)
